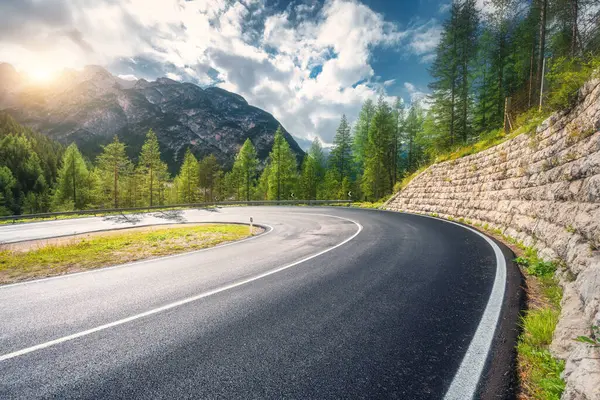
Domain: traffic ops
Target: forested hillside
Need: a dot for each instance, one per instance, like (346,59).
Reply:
(29,165)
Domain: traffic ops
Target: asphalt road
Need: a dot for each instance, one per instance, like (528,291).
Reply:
(328,303)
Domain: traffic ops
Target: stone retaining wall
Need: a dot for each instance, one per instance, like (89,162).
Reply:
(541,188)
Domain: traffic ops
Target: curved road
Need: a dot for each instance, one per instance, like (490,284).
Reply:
(328,303)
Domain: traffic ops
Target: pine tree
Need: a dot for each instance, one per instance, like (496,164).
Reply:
(262,188)
(283,169)
(73,185)
(152,170)
(375,183)
(444,71)
(112,164)
(246,167)
(412,127)
(330,187)
(7,184)
(209,175)
(309,179)
(187,182)
(316,152)
(361,132)
(341,159)
(467,24)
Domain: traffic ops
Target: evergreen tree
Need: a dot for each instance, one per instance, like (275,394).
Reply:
(412,127)
(7,184)
(283,169)
(445,72)
(73,188)
(246,167)
(152,170)
(361,132)
(309,179)
(187,181)
(340,159)
(209,175)
(316,152)
(375,183)
(262,188)
(331,186)
(468,22)
(112,164)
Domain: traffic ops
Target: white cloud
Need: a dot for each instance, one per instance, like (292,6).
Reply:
(424,38)
(415,94)
(389,82)
(128,77)
(265,57)
(174,76)
(444,8)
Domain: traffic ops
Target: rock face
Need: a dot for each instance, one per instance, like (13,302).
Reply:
(91,106)
(543,189)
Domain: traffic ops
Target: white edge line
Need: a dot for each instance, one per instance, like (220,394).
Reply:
(466,380)
(180,302)
(187,253)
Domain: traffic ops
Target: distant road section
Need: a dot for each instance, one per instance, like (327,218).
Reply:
(329,303)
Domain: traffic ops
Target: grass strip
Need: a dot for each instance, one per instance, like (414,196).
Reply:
(116,248)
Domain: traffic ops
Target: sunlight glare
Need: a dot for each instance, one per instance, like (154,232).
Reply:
(40,75)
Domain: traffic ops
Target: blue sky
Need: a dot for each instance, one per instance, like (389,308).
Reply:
(307,62)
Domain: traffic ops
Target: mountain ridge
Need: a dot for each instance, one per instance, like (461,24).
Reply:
(91,106)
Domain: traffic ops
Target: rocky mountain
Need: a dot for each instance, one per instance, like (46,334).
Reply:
(89,107)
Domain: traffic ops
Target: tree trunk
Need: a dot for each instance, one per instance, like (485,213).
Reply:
(151,186)
(575,33)
(115,187)
(73,180)
(542,44)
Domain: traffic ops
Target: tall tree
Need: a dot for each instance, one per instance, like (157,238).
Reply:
(152,169)
(375,183)
(112,163)
(361,132)
(246,166)
(73,185)
(7,183)
(283,169)
(209,174)
(444,71)
(340,159)
(309,179)
(467,21)
(187,182)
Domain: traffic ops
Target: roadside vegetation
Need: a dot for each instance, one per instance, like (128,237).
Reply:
(23,261)
(539,373)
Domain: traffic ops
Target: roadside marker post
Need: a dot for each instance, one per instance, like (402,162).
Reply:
(251,227)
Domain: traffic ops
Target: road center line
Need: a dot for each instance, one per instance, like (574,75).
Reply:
(180,302)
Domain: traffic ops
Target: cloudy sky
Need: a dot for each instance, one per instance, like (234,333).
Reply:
(306,62)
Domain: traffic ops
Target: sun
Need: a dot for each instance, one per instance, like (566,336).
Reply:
(40,75)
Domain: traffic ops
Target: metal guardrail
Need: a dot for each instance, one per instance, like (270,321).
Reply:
(173,206)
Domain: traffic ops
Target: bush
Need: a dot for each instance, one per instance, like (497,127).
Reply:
(566,76)
(542,268)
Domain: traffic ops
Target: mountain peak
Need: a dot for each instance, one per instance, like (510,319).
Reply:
(90,107)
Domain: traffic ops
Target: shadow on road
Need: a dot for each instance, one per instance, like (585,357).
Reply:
(171,215)
(123,218)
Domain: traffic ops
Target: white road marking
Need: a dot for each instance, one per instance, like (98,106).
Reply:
(465,381)
(180,302)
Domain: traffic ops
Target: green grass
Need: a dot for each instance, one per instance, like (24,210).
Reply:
(112,248)
(539,372)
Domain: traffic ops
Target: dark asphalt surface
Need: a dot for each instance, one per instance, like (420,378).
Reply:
(388,314)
